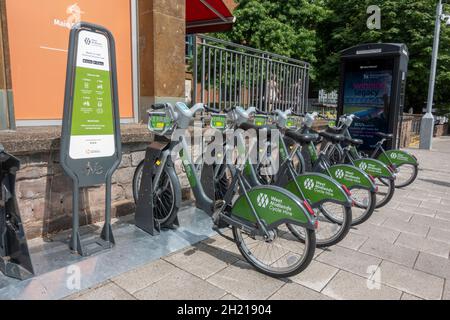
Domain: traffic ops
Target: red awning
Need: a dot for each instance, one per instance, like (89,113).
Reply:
(203,16)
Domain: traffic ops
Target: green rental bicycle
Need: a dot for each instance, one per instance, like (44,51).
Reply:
(404,165)
(358,185)
(382,175)
(259,217)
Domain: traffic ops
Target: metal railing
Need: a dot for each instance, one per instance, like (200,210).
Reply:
(227,74)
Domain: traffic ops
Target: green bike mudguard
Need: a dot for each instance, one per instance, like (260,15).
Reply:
(352,177)
(398,158)
(318,189)
(275,206)
(375,168)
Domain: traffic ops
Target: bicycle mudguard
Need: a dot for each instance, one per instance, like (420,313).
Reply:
(398,158)
(352,177)
(375,168)
(318,189)
(275,206)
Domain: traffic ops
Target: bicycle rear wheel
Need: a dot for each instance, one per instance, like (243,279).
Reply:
(335,221)
(386,190)
(281,257)
(406,175)
(365,203)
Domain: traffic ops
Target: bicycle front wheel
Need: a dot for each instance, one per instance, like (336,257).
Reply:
(284,255)
(166,197)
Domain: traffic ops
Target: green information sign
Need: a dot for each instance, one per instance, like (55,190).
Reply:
(92,128)
(91,148)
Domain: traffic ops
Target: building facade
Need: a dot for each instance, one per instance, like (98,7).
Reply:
(150,38)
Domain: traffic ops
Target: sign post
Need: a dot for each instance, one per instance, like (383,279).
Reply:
(91,142)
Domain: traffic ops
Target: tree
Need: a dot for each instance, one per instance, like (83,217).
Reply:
(403,21)
(317,30)
(284,27)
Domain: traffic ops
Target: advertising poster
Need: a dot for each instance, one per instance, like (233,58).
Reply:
(39,36)
(367,94)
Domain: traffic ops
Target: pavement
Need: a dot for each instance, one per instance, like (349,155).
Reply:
(402,253)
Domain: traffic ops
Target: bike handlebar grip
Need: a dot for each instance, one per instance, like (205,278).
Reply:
(261,112)
(210,110)
(159,106)
(227,110)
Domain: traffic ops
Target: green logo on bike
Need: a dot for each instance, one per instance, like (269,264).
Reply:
(340,174)
(309,184)
(263,200)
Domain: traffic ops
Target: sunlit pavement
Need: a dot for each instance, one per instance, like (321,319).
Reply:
(401,253)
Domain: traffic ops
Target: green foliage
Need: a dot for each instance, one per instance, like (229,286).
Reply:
(284,27)
(317,30)
(403,21)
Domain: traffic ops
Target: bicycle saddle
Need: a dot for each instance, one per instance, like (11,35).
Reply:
(335,138)
(248,126)
(385,136)
(355,142)
(302,138)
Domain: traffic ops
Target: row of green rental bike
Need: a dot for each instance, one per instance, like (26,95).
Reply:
(282,188)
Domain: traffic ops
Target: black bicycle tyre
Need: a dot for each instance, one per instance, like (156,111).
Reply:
(176,190)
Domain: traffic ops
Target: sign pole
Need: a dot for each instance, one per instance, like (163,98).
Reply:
(427,126)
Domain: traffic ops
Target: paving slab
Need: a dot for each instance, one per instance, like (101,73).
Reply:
(316,276)
(242,281)
(390,213)
(108,291)
(405,207)
(435,206)
(434,265)
(431,222)
(439,235)
(348,286)
(438,248)
(387,251)
(293,291)
(181,286)
(202,260)
(406,227)
(229,297)
(407,296)
(353,241)
(447,291)
(145,276)
(443,215)
(414,282)
(379,232)
(349,260)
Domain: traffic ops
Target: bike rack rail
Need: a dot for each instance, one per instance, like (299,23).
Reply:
(15,260)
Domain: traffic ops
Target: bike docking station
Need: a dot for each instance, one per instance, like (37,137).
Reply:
(145,217)
(91,149)
(372,87)
(15,259)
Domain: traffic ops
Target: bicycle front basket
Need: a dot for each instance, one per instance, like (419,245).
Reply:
(159,123)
